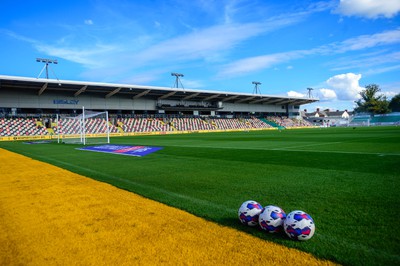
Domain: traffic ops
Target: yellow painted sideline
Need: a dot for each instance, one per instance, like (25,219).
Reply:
(50,216)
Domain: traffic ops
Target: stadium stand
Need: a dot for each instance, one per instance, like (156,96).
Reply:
(21,127)
(283,121)
(386,119)
(188,124)
(139,124)
(191,124)
(41,107)
(70,126)
(375,120)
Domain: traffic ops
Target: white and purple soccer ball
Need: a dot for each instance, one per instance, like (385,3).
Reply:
(271,219)
(299,225)
(249,211)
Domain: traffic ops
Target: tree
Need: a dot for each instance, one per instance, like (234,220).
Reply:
(370,102)
(395,103)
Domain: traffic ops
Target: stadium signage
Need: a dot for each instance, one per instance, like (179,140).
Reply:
(122,150)
(56,101)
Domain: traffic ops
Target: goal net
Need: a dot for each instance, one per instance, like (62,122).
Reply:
(86,128)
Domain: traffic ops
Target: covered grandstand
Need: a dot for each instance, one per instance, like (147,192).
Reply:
(29,106)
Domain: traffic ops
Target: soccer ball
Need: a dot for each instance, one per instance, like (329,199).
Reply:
(248,212)
(271,219)
(298,225)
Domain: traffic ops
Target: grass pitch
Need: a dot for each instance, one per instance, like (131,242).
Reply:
(346,179)
(56,217)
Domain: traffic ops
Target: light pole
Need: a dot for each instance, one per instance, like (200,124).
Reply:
(256,89)
(46,66)
(310,92)
(177,79)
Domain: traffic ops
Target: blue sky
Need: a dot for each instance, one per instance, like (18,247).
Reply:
(335,47)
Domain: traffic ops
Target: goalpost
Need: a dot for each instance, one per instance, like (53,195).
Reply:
(86,128)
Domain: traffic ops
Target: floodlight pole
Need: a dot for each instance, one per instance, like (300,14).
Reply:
(256,89)
(46,66)
(177,79)
(310,92)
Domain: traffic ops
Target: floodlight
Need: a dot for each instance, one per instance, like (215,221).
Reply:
(177,79)
(310,92)
(177,74)
(46,62)
(256,89)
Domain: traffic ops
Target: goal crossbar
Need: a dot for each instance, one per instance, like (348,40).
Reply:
(87,127)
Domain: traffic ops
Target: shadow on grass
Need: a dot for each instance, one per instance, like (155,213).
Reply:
(279,237)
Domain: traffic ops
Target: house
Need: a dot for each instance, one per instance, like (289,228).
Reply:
(327,117)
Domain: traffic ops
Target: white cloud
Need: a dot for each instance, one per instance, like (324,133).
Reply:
(198,44)
(18,36)
(257,63)
(192,84)
(86,57)
(345,86)
(230,10)
(144,78)
(390,94)
(295,94)
(213,42)
(369,8)
(327,94)
(381,70)
(366,60)
(89,22)
(342,90)
(331,105)
(390,89)
(366,41)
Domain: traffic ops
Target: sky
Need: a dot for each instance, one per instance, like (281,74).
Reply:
(335,47)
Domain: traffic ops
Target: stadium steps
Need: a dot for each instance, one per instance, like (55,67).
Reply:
(360,119)
(385,119)
(39,124)
(271,123)
(172,125)
(50,130)
(120,127)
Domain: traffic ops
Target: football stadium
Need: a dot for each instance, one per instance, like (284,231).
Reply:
(132,109)
(100,174)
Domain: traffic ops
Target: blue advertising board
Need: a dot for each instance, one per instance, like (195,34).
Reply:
(122,149)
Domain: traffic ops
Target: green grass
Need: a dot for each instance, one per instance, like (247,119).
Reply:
(346,179)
